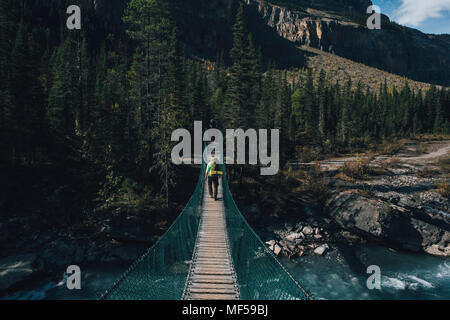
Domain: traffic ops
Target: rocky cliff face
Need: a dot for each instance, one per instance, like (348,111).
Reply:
(394,48)
(280,28)
(401,226)
(343,6)
(206,28)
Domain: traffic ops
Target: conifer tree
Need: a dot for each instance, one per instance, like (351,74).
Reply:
(321,93)
(345,117)
(242,90)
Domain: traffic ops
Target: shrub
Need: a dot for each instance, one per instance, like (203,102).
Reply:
(421,149)
(357,169)
(444,188)
(316,183)
(392,148)
(390,163)
(358,144)
(445,165)
(307,154)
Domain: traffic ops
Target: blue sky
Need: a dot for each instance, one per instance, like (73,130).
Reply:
(429,16)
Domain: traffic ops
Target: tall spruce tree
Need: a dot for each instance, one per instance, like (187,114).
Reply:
(243,85)
(157,78)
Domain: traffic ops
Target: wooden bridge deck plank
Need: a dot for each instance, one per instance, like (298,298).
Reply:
(212,275)
(200,285)
(212,296)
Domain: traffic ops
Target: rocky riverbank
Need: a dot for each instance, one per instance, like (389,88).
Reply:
(399,203)
(111,237)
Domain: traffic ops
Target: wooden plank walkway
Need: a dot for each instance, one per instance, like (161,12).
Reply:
(212,275)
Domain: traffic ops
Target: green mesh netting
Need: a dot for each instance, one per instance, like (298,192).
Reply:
(161,273)
(260,275)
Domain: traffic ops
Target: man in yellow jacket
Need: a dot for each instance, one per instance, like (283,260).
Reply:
(213,175)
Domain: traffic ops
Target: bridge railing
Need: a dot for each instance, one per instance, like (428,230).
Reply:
(260,275)
(161,273)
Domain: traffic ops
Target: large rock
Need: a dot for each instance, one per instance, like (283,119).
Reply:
(383,222)
(308,230)
(294,236)
(321,250)
(276,249)
(16,269)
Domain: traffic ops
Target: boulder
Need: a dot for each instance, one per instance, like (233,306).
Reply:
(276,249)
(291,247)
(298,227)
(321,250)
(16,269)
(307,230)
(295,235)
(376,219)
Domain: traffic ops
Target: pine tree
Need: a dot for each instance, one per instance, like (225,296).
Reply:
(321,94)
(439,120)
(61,101)
(157,80)
(431,106)
(345,116)
(242,91)
(309,106)
(265,114)
(282,119)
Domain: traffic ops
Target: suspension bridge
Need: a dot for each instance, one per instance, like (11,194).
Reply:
(209,253)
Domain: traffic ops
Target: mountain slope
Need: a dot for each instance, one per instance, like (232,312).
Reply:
(394,48)
(279,27)
(340,69)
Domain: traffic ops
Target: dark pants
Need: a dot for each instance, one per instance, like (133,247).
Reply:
(213,183)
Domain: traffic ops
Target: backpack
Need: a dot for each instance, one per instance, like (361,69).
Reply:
(213,171)
(213,166)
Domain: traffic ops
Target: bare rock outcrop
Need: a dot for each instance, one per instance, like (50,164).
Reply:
(392,225)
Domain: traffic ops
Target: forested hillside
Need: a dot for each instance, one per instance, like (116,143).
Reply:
(89,113)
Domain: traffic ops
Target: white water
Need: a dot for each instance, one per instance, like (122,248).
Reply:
(403,275)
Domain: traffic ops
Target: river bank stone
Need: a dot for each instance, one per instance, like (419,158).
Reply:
(321,250)
(16,269)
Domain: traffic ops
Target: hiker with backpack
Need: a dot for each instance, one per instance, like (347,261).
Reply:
(213,175)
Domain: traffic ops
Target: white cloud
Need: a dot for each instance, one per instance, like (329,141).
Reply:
(414,12)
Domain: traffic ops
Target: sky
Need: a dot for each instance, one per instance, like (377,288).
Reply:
(429,16)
